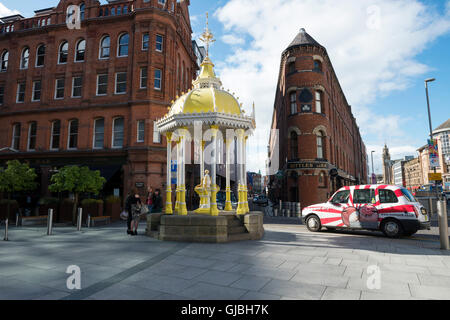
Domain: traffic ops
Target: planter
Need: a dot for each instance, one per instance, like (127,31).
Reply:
(92,209)
(43,209)
(65,212)
(112,209)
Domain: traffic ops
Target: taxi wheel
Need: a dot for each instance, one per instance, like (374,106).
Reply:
(313,223)
(391,228)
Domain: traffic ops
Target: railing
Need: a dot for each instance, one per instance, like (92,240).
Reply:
(25,24)
(115,9)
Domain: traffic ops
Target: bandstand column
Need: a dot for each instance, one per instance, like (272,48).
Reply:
(169,174)
(228,206)
(214,187)
(244,165)
(239,140)
(177,195)
(182,209)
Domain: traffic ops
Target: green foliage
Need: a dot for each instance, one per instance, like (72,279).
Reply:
(48,201)
(77,180)
(113,199)
(87,202)
(68,201)
(10,202)
(17,177)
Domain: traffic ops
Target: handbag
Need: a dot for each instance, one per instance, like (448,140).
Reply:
(144,209)
(124,215)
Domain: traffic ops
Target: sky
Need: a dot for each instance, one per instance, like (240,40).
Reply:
(381,50)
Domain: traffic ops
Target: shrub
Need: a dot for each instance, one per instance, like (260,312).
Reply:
(48,201)
(113,199)
(87,202)
(6,201)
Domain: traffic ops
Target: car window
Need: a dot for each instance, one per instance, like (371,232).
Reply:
(341,197)
(364,196)
(387,196)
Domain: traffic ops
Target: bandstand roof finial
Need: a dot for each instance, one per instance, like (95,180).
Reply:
(207,37)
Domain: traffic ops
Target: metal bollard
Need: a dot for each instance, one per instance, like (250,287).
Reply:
(275,212)
(17,220)
(443,224)
(288,213)
(89,221)
(6,230)
(50,222)
(80,216)
(430,206)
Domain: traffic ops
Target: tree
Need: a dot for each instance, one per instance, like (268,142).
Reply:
(77,180)
(16,177)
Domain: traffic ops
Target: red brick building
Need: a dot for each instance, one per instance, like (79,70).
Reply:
(320,146)
(89,96)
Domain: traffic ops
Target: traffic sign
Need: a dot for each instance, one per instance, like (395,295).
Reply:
(435,176)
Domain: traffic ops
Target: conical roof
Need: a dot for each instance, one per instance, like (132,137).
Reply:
(443,127)
(303,39)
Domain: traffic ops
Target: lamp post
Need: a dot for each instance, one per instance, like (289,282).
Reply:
(373,172)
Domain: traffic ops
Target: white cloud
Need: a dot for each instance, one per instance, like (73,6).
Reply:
(232,40)
(4,11)
(372,44)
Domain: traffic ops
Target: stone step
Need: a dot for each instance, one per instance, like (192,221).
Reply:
(239,237)
(236,230)
(235,223)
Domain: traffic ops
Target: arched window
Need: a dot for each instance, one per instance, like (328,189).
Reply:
(73,134)
(63,52)
(122,50)
(82,11)
(56,134)
(317,65)
(80,50)
(294,145)
(4,61)
(118,133)
(105,45)
(320,145)
(99,133)
(291,67)
(322,180)
(32,134)
(24,58)
(40,56)
(319,100)
(293,98)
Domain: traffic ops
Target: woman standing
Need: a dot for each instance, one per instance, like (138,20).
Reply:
(157,202)
(133,206)
(150,199)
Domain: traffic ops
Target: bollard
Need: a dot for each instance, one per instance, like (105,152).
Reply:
(6,230)
(50,222)
(80,215)
(89,221)
(17,220)
(430,206)
(288,213)
(275,212)
(443,223)
(298,209)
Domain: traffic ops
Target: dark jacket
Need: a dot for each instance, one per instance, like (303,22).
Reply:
(130,201)
(157,203)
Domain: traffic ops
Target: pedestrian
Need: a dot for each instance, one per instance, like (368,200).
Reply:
(157,202)
(132,206)
(150,199)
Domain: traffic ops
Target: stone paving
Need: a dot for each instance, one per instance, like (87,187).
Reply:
(288,263)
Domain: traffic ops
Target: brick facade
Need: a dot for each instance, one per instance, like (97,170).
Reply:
(311,110)
(135,162)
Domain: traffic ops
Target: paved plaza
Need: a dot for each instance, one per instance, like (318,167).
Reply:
(288,263)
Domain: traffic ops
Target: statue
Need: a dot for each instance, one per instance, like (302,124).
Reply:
(204,192)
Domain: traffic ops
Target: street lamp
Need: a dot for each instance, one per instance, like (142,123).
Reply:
(428,104)
(373,172)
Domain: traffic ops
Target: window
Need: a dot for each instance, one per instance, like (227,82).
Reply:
(364,196)
(317,65)
(2,94)
(294,145)
(341,197)
(40,56)
(32,131)
(4,61)
(82,11)
(117,134)
(80,50)
(20,92)
(163,2)
(105,45)
(56,134)
(156,134)
(24,58)
(158,79)
(59,89)
(319,101)
(387,196)
(37,86)
(73,134)
(102,84)
(291,67)
(77,86)
(140,130)
(145,41)
(320,145)
(143,77)
(121,83)
(15,144)
(99,133)
(123,45)
(63,51)
(293,103)
(113,11)
(322,180)
(125,9)
(119,10)
(159,43)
